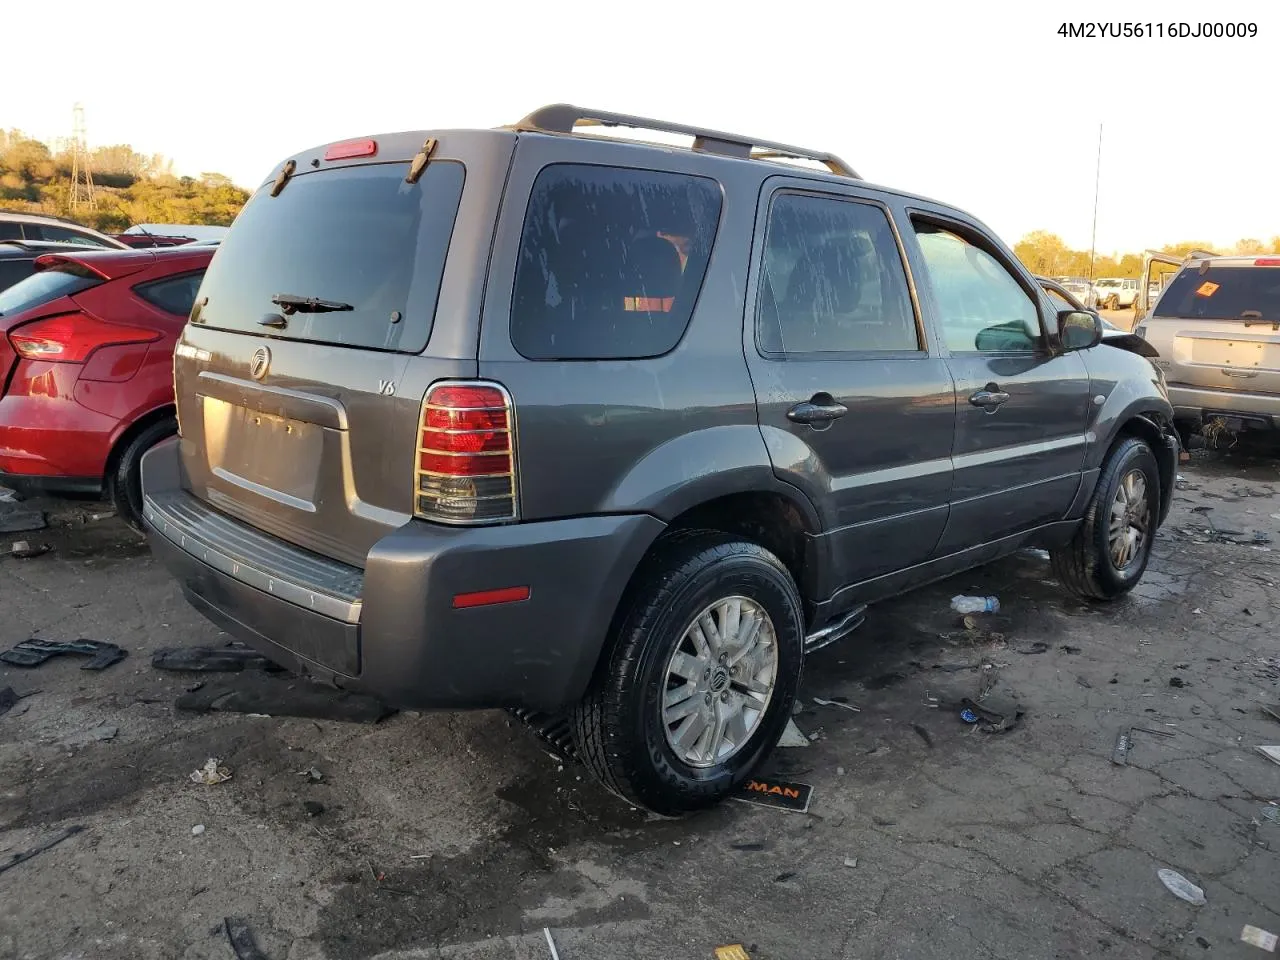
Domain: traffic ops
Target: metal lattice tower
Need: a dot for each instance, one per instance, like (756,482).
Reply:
(82,194)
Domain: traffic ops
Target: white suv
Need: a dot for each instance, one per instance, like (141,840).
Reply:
(1115,293)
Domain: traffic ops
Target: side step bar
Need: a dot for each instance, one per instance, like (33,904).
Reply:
(837,630)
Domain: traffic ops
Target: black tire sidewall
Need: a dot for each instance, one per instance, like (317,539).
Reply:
(663,774)
(125,482)
(1132,453)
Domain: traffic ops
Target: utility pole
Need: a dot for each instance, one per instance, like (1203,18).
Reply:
(1097,178)
(81,172)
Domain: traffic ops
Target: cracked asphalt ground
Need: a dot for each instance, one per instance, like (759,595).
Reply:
(457,836)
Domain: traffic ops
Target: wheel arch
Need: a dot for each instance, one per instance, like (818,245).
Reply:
(132,431)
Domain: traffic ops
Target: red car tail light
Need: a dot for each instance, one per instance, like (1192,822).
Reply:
(351,148)
(72,337)
(466,466)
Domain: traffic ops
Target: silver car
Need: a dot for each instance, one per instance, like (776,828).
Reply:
(1217,329)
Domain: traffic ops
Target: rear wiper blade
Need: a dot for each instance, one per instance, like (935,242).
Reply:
(1250,316)
(291,303)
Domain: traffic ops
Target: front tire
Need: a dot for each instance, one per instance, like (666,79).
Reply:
(1109,552)
(124,479)
(700,675)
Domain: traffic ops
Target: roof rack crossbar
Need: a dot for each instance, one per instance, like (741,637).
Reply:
(564,118)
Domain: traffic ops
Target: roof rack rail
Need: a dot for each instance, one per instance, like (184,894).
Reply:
(564,117)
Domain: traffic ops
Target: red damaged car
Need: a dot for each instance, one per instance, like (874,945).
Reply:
(86,368)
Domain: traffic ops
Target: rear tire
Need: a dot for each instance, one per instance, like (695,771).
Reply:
(637,729)
(1110,550)
(124,478)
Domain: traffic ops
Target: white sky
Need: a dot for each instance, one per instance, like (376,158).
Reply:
(978,104)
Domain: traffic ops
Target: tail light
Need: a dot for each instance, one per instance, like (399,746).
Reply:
(72,337)
(466,466)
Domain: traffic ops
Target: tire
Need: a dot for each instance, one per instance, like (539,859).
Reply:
(1113,302)
(124,475)
(620,730)
(1086,566)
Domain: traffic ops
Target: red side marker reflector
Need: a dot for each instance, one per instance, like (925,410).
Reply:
(351,148)
(484,598)
(1267,262)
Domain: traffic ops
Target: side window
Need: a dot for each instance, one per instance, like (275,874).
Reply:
(10,230)
(176,295)
(611,261)
(981,307)
(64,235)
(832,280)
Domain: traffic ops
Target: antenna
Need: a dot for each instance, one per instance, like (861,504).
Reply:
(1097,178)
(82,194)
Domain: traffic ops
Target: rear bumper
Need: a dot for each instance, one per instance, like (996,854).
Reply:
(1196,403)
(391,629)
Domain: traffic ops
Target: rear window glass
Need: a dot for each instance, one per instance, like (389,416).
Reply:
(174,295)
(44,287)
(11,271)
(611,261)
(1223,293)
(359,238)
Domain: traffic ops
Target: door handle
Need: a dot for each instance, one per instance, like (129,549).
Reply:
(813,411)
(989,398)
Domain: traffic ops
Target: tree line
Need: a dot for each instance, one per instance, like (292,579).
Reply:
(1048,255)
(129,187)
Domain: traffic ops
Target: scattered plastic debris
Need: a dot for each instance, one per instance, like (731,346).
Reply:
(792,737)
(105,515)
(312,774)
(240,936)
(1181,887)
(197,829)
(1271,812)
(33,652)
(269,694)
(105,732)
(732,951)
(23,550)
(9,496)
(836,703)
(39,848)
(964,604)
(551,944)
(1257,937)
(211,773)
(990,716)
(1120,752)
(850,862)
(21,520)
(1272,753)
(229,659)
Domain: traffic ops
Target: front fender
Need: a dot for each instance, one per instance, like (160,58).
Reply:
(695,468)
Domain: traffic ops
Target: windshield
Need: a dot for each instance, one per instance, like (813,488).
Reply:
(1223,293)
(358,237)
(46,286)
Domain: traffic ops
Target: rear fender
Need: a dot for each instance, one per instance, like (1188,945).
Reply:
(701,466)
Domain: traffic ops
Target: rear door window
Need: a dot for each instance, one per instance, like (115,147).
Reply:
(44,286)
(833,280)
(611,261)
(174,295)
(1223,293)
(357,237)
(63,235)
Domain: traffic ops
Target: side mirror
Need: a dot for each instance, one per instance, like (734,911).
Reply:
(1078,330)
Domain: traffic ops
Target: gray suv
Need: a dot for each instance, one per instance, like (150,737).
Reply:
(611,434)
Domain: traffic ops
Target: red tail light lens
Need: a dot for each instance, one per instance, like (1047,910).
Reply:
(1267,262)
(465,470)
(72,337)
